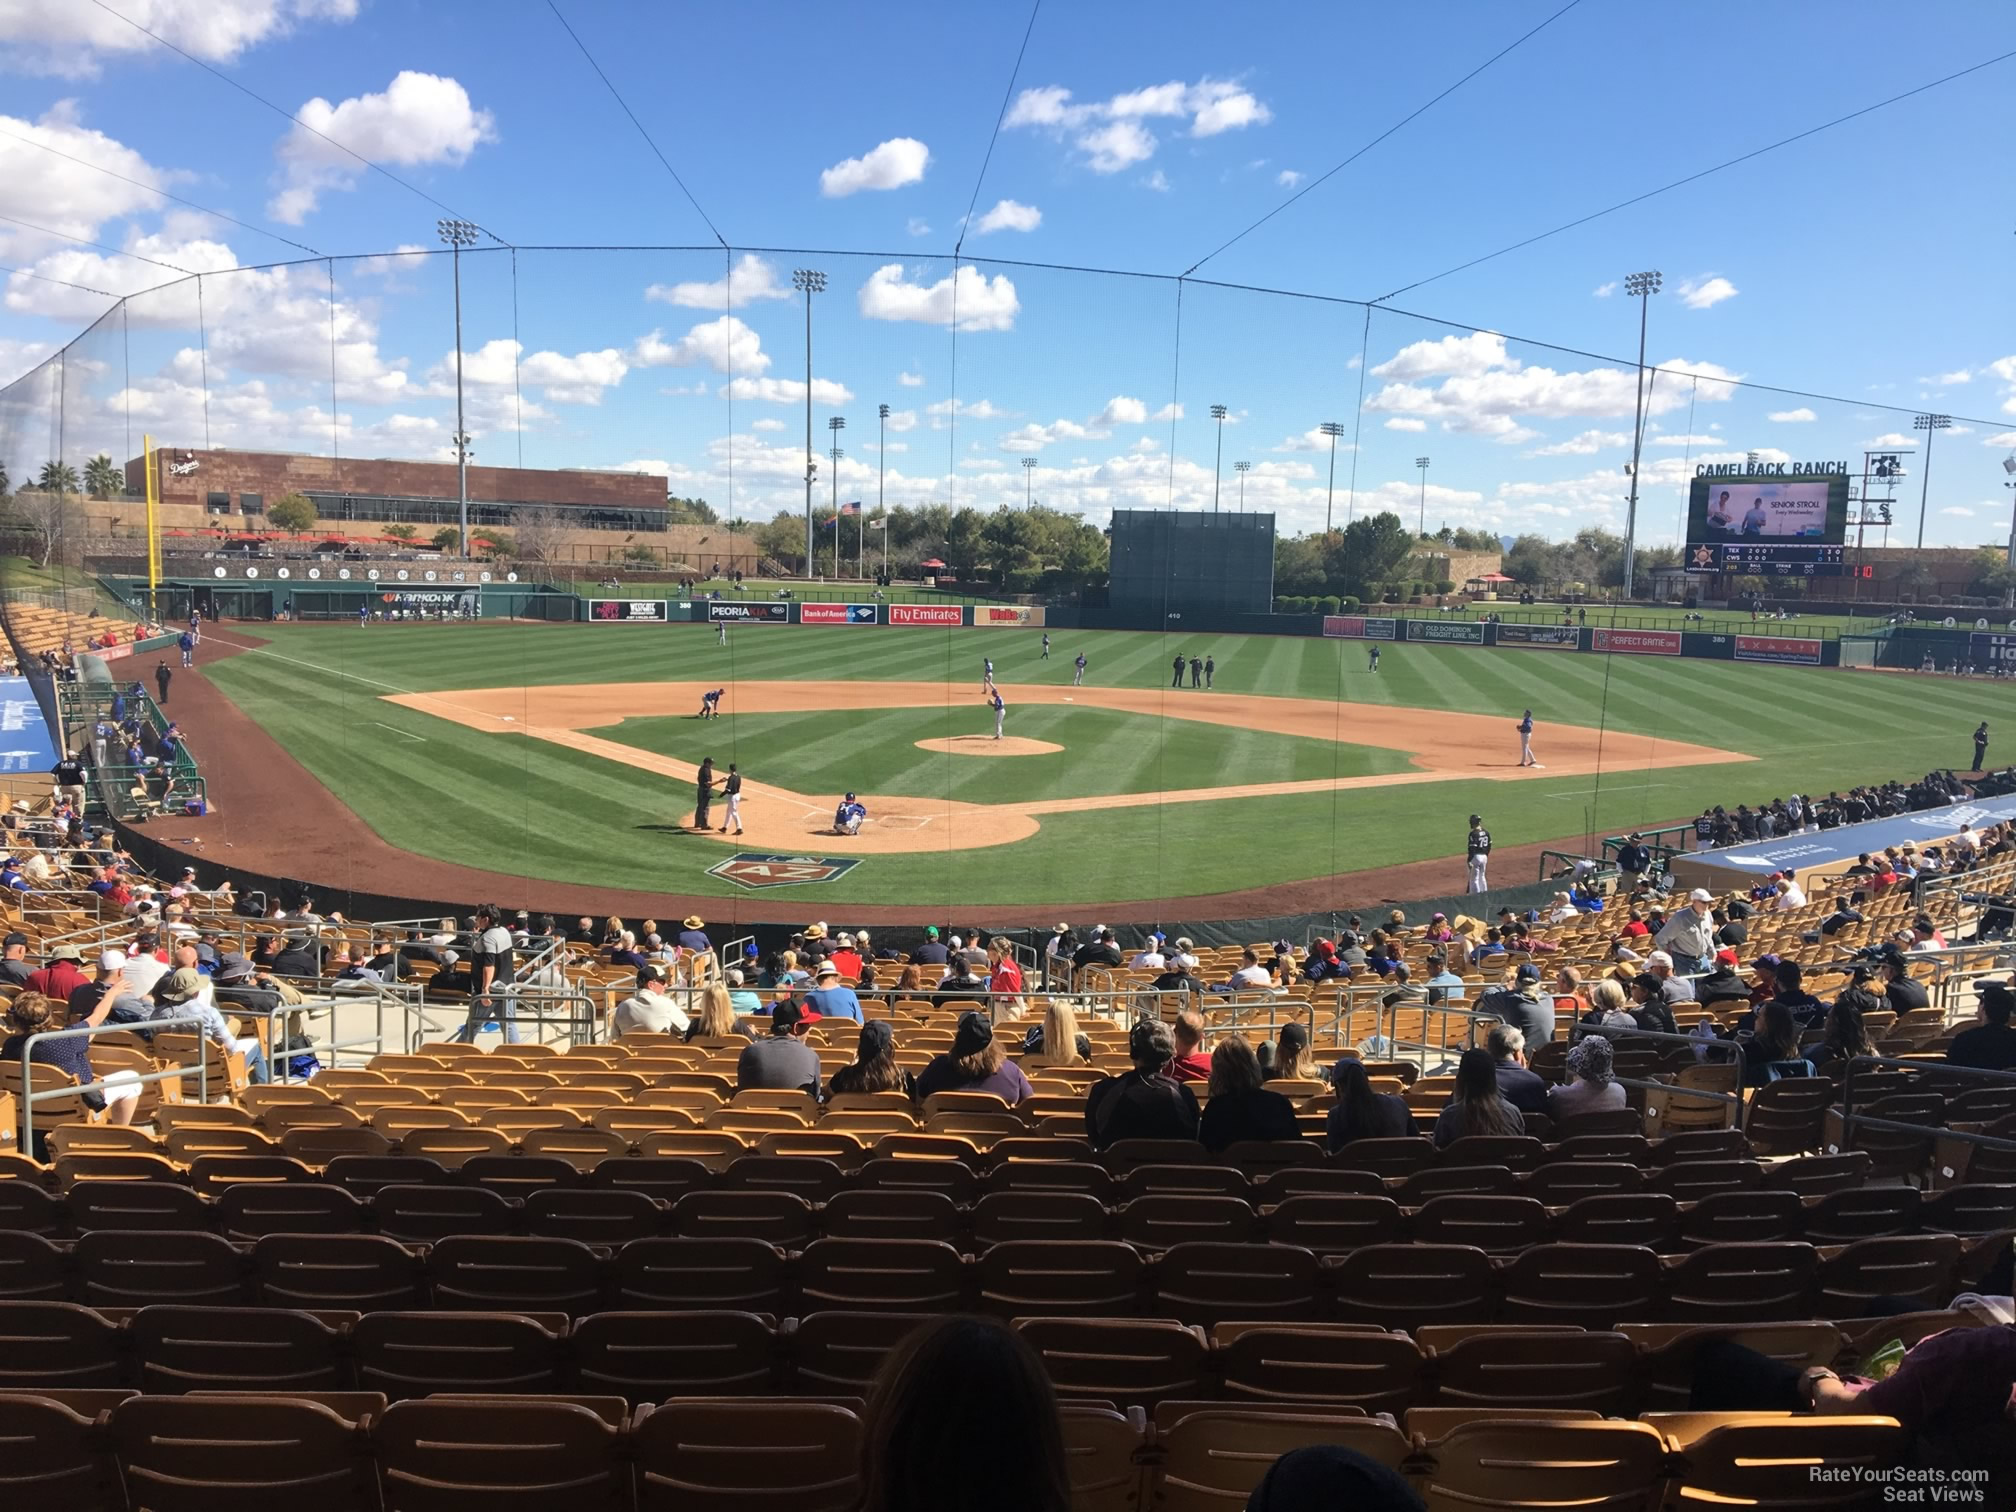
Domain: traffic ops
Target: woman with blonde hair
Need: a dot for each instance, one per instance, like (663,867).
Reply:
(716,1018)
(1609,1005)
(612,931)
(1057,1042)
(1292,1058)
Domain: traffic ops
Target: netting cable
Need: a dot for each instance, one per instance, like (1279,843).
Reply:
(987,157)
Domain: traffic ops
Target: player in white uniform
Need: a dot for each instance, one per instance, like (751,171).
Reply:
(986,674)
(1000,712)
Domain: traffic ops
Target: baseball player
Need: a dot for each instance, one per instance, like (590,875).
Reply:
(1372,657)
(1210,666)
(1478,849)
(1196,672)
(732,791)
(710,704)
(363,613)
(720,632)
(1981,747)
(1078,676)
(1046,647)
(1526,740)
(1000,712)
(986,674)
(1177,668)
(847,818)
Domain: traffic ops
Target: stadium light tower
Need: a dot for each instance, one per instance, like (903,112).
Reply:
(834,425)
(1640,286)
(459,234)
(1422,529)
(881,477)
(1333,430)
(1028,481)
(1931,425)
(1242,468)
(808,281)
(2009,467)
(1218,466)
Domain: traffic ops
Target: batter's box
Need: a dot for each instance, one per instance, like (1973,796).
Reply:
(756,869)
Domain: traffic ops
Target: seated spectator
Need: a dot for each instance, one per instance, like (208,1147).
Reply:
(1143,1104)
(1189,1063)
(1444,985)
(31,1013)
(1059,1028)
(183,993)
(1991,1044)
(781,1060)
(832,997)
(1901,992)
(1521,1087)
(874,1067)
(1648,1010)
(1476,1106)
(977,1062)
(1323,963)
(1723,984)
(1792,994)
(940,1380)
(1329,1478)
(740,996)
(650,1009)
(1251,974)
(961,980)
(1846,1035)
(1592,1086)
(716,1018)
(910,978)
(1773,1046)
(1240,1107)
(1361,1113)
(625,952)
(1177,977)
(1293,1060)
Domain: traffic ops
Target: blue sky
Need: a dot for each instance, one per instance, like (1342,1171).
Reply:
(1869,263)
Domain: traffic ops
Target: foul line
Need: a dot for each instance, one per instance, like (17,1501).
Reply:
(397,731)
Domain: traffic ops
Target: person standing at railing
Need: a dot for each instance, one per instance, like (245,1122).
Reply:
(69,775)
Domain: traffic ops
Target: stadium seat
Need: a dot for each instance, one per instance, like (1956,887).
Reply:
(1213,1456)
(761,1455)
(515,1273)
(1513,1368)
(1128,1361)
(55,1459)
(448,1455)
(130,1205)
(182,1349)
(687,1274)
(1341,1365)
(648,1356)
(57,1345)
(360,1272)
(121,1268)
(241,1454)
(1065,1278)
(1536,1464)
(1412,1285)
(882,1275)
(593,1216)
(411,1354)
(1741,1283)
(1206,1282)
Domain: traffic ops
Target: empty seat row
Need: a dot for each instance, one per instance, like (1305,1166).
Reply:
(1202,1282)
(355,1453)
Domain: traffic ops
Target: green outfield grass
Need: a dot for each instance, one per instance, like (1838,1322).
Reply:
(536,809)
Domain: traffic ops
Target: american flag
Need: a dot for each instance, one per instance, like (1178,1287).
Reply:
(851,509)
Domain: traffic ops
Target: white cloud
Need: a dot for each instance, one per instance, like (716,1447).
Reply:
(1702,293)
(1009,215)
(1311,440)
(1287,178)
(1605,290)
(420,119)
(1158,181)
(902,420)
(1170,411)
(917,226)
(1403,424)
(1797,416)
(752,278)
(1960,510)
(1891,438)
(1683,440)
(910,380)
(66,197)
(726,345)
(978,409)
(896,162)
(2005,438)
(2004,368)
(579,379)
(402,258)
(1121,410)
(983,304)
(1587,444)
(766,424)
(786,390)
(1453,356)
(69,38)
(1948,380)
(1109,133)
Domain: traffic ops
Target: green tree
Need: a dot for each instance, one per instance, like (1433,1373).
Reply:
(1369,552)
(1533,560)
(293,513)
(1299,565)
(103,478)
(1462,539)
(447,538)
(401,532)
(496,543)
(1993,576)
(690,512)
(783,539)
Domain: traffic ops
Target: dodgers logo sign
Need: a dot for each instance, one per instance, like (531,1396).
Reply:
(756,869)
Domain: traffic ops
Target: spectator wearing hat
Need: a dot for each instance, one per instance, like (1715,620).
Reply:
(781,1060)
(693,934)
(1290,1058)
(931,952)
(237,983)
(1144,1103)
(1689,936)
(1519,1086)
(1061,946)
(1522,1005)
(1184,954)
(846,958)
(741,996)
(1177,977)
(1591,1087)
(830,996)
(1149,957)
(874,1067)
(977,1062)
(1324,964)
(1900,992)
(650,1009)
(1723,983)
(1673,989)
(61,975)
(1098,952)
(961,981)
(1991,1044)
(14,967)
(183,994)
(1634,860)
(1241,1108)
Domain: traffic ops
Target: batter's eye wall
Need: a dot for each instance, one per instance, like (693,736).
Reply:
(1204,563)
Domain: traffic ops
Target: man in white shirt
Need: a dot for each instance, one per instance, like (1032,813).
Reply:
(1790,894)
(1185,956)
(1150,957)
(650,1009)
(1251,973)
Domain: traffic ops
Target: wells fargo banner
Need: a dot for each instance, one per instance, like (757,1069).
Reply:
(1013,616)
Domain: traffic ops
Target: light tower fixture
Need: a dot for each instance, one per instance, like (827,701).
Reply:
(834,425)
(459,234)
(1333,430)
(1218,466)
(1931,425)
(1422,529)
(1641,287)
(881,477)
(1028,481)
(808,281)
(1242,468)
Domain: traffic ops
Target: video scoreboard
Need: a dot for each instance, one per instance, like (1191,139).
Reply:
(1768,519)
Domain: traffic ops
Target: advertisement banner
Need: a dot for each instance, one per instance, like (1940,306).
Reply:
(32,745)
(927,614)
(113,653)
(1637,642)
(1777,648)
(1985,650)
(654,611)
(1012,615)
(763,612)
(1540,637)
(836,614)
(1359,627)
(1450,632)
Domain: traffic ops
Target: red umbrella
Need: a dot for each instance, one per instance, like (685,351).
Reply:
(934,562)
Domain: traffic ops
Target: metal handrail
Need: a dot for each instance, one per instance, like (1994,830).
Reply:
(30,1097)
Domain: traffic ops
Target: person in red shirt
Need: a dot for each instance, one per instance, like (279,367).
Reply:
(1189,1063)
(63,974)
(1635,927)
(1004,976)
(846,958)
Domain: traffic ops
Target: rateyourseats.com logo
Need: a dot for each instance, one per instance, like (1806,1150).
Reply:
(1903,1486)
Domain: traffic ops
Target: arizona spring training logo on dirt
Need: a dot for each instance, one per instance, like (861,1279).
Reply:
(754,869)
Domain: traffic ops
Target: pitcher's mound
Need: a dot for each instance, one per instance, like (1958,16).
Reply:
(987,745)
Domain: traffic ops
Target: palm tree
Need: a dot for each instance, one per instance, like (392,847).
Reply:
(57,478)
(103,478)
(4,480)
